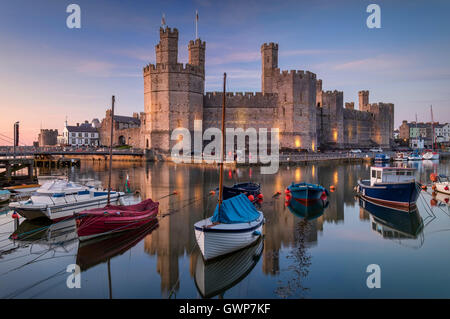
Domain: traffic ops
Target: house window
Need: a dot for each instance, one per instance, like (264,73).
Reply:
(378,174)
(374,174)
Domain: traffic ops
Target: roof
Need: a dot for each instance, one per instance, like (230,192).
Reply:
(127,119)
(82,128)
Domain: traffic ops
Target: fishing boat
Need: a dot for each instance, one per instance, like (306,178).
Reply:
(392,224)
(400,157)
(415,156)
(306,193)
(382,158)
(308,212)
(215,277)
(393,187)
(247,189)
(23,188)
(441,183)
(235,224)
(5,195)
(58,199)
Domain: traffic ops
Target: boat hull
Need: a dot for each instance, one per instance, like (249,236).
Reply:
(59,212)
(306,194)
(400,196)
(217,240)
(431,156)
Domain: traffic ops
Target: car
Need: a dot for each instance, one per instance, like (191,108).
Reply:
(355,151)
(378,150)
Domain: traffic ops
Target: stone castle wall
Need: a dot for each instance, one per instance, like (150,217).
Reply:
(48,137)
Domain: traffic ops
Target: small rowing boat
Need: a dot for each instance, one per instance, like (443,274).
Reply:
(306,193)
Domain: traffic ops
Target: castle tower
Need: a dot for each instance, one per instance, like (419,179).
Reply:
(167,48)
(363,100)
(197,52)
(269,57)
(173,92)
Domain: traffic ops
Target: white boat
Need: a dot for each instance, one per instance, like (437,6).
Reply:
(215,277)
(59,199)
(218,239)
(442,184)
(5,195)
(430,155)
(235,224)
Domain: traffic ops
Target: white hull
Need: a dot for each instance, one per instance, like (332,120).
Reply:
(4,198)
(215,277)
(221,239)
(25,190)
(61,210)
(430,156)
(440,187)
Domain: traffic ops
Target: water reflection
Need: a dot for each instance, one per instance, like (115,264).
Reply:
(216,277)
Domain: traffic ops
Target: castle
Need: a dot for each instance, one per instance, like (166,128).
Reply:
(292,101)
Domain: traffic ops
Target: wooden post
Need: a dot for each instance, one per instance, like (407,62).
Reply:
(110,150)
(223,143)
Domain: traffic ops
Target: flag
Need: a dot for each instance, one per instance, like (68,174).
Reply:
(163,19)
(127,184)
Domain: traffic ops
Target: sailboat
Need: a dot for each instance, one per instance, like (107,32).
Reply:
(235,224)
(112,219)
(431,155)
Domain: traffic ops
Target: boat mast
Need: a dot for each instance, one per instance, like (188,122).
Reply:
(110,150)
(432,128)
(223,143)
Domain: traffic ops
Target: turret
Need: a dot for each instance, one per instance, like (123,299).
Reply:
(269,56)
(167,48)
(197,50)
(363,100)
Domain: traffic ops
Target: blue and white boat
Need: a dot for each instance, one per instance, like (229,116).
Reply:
(382,158)
(59,199)
(235,224)
(392,187)
(415,156)
(5,195)
(306,193)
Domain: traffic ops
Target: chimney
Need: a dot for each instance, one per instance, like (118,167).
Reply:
(78,124)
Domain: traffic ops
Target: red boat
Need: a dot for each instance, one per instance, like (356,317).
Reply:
(112,219)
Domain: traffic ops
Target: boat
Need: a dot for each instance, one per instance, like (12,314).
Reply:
(393,187)
(400,157)
(430,155)
(308,212)
(215,277)
(23,188)
(306,193)
(392,224)
(247,189)
(235,224)
(93,252)
(382,158)
(415,156)
(59,199)
(5,195)
(441,183)
(112,219)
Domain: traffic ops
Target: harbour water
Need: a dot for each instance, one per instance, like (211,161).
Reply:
(324,256)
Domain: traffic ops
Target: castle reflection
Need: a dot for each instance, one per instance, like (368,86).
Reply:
(174,238)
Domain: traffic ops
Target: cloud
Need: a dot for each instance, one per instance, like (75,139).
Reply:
(239,57)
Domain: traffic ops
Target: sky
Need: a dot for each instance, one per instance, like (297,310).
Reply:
(49,72)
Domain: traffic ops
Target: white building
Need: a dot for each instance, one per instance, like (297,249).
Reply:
(446,132)
(80,135)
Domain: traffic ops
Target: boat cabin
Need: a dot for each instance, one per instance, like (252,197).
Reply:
(390,175)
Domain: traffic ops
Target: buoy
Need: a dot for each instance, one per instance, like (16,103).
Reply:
(332,188)
(323,196)
(424,187)
(14,236)
(212,193)
(433,202)
(287,197)
(446,200)
(260,196)
(433,187)
(446,188)
(251,198)
(175,192)
(433,177)
(287,191)
(286,204)
(15,215)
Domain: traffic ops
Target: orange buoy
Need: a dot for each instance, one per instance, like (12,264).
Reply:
(424,187)
(260,196)
(332,188)
(251,198)
(212,193)
(433,177)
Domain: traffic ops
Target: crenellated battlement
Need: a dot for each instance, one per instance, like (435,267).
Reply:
(197,43)
(269,46)
(168,32)
(295,73)
(241,99)
(331,93)
(173,68)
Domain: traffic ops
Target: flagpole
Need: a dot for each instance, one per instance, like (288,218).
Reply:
(196,24)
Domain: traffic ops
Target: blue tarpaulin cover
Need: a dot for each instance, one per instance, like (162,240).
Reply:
(237,209)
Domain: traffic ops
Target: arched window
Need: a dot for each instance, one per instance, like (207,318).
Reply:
(147,144)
